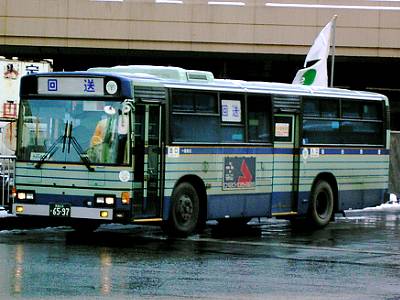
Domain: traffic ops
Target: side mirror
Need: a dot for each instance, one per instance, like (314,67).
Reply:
(123,120)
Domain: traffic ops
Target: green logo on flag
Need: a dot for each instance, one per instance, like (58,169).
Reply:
(309,77)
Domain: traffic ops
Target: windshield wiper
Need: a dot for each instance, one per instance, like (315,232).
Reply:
(83,156)
(67,135)
(53,148)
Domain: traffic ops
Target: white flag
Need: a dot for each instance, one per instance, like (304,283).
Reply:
(317,74)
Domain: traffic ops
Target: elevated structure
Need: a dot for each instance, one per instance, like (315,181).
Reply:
(364,28)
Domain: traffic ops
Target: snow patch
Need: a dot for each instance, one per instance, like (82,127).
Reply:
(392,204)
(4,213)
(385,207)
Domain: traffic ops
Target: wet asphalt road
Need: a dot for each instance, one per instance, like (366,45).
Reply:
(356,257)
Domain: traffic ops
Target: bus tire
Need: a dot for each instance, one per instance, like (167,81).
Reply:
(184,215)
(321,204)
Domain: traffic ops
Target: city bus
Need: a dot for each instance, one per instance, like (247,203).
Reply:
(176,148)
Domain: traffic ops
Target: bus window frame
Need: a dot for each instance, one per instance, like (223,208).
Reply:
(244,122)
(383,121)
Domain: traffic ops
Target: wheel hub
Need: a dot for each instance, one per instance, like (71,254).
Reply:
(185,207)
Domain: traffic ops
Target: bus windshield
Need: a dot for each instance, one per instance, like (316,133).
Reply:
(73,131)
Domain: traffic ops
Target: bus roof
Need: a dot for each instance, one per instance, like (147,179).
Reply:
(194,79)
(174,77)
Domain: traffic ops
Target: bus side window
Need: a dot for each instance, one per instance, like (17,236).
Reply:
(321,124)
(194,117)
(259,119)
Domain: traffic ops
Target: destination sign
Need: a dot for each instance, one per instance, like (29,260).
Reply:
(73,86)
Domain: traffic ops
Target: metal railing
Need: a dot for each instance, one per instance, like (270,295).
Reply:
(7,175)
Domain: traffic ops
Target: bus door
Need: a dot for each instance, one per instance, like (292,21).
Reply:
(148,150)
(286,165)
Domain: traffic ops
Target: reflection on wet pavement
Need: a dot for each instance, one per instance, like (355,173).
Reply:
(356,257)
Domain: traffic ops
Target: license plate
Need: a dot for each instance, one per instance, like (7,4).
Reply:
(60,210)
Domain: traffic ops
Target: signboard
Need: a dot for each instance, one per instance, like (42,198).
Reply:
(10,110)
(74,86)
(231,111)
(11,72)
(239,173)
(281,129)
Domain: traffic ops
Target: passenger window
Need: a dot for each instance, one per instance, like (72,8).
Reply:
(311,107)
(324,108)
(195,128)
(197,102)
(361,122)
(195,117)
(232,118)
(372,111)
(259,119)
(205,103)
(351,110)
(329,108)
(182,101)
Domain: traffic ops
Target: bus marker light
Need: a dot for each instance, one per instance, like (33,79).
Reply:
(104,214)
(125,197)
(110,200)
(19,209)
(111,87)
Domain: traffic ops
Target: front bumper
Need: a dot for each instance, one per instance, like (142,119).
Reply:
(76,212)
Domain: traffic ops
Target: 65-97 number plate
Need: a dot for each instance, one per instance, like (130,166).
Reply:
(60,210)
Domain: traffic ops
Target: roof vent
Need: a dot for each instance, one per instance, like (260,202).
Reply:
(193,75)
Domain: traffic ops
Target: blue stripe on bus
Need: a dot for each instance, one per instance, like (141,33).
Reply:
(221,150)
(356,151)
(269,150)
(312,161)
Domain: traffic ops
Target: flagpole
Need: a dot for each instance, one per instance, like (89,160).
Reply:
(333,49)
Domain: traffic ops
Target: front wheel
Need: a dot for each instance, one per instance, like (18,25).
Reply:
(184,215)
(321,204)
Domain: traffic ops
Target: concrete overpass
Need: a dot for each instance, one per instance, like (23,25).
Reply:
(364,28)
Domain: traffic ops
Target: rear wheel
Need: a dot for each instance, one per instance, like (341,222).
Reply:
(184,215)
(321,204)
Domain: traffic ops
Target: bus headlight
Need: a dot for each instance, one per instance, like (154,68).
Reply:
(103,200)
(21,195)
(110,200)
(25,196)
(99,200)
